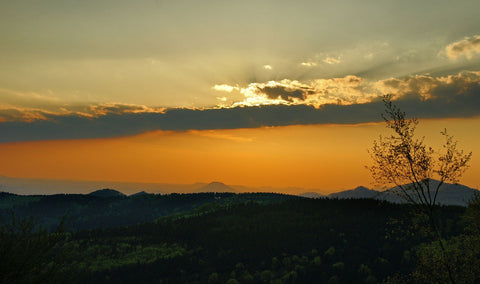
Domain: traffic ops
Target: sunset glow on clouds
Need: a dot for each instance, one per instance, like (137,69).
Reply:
(467,47)
(353,90)
(350,99)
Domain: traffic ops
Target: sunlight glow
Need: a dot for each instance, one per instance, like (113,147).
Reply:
(326,158)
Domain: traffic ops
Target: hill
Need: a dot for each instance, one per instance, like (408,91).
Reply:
(110,208)
(107,192)
(295,241)
(311,195)
(216,187)
(449,194)
(359,192)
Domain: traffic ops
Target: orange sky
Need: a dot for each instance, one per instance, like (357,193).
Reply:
(327,158)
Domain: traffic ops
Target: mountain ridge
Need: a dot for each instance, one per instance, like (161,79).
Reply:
(449,194)
(358,192)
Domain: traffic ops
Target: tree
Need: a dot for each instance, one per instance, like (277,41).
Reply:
(403,160)
(29,254)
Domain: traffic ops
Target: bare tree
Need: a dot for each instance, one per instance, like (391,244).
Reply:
(403,160)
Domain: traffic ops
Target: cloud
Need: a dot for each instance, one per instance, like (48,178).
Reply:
(105,109)
(427,87)
(114,125)
(467,47)
(30,106)
(318,58)
(224,88)
(267,67)
(18,114)
(332,60)
(29,114)
(346,90)
(352,89)
(282,92)
(12,98)
(308,64)
(347,100)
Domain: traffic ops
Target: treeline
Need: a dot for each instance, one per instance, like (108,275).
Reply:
(289,241)
(87,211)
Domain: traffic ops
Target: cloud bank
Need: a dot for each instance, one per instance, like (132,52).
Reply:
(347,100)
(351,90)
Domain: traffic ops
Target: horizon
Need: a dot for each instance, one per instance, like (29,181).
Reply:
(271,93)
(131,188)
(237,156)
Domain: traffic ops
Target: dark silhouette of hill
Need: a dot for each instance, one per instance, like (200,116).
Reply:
(107,192)
(359,192)
(295,241)
(110,208)
(140,193)
(186,238)
(312,195)
(216,187)
(449,194)
(10,200)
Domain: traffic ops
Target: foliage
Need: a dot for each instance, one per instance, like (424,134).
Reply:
(296,241)
(471,218)
(405,161)
(462,254)
(90,212)
(291,241)
(29,254)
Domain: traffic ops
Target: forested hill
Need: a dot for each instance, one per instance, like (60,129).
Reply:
(232,238)
(295,241)
(110,208)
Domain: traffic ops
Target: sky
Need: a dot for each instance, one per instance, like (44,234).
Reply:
(259,93)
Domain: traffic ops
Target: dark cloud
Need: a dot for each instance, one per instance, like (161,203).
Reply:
(112,124)
(284,93)
(422,96)
(449,100)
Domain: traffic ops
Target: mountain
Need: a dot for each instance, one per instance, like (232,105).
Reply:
(359,192)
(29,186)
(449,194)
(216,187)
(311,195)
(107,192)
(32,186)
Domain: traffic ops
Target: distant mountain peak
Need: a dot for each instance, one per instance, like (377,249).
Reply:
(359,192)
(448,194)
(362,188)
(106,192)
(216,186)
